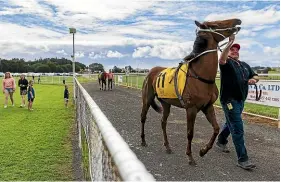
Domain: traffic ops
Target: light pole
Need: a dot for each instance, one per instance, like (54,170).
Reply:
(73,31)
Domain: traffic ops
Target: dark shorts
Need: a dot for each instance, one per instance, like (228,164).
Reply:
(23,92)
(30,99)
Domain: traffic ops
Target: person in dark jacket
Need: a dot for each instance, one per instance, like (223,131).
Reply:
(66,96)
(236,75)
(23,84)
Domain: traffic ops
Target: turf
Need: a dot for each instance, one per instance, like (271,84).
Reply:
(36,145)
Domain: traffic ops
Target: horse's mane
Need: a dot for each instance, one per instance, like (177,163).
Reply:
(200,45)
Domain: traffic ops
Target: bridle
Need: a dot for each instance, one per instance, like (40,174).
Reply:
(215,32)
(194,75)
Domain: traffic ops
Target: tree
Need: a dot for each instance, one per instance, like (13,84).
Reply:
(42,69)
(116,69)
(19,65)
(129,68)
(52,66)
(59,69)
(95,67)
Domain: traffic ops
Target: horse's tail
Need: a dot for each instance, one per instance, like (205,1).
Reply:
(149,95)
(155,106)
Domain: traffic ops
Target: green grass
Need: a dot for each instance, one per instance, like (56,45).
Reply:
(36,145)
(273,72)
(249,107)
(58,80)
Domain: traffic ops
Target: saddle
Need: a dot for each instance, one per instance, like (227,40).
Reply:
(170,82)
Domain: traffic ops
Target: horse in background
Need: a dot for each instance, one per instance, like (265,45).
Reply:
(103,77)
(200,91)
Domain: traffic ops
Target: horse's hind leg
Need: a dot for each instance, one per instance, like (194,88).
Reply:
(166,112)
(144,111)
(191,115)
(211,117)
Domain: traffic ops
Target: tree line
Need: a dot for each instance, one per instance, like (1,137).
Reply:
(96,67)
(46,65)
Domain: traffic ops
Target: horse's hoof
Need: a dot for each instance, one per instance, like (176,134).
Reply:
(202,152)
(169,151)
(143,144)
(192,163)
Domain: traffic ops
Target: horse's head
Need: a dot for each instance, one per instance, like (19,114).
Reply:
(218,30)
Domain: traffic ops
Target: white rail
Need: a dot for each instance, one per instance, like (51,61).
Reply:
(110,158)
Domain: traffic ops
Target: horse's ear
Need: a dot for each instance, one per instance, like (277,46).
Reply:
(198,24)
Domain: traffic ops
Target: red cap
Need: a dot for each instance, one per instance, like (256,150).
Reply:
(236,45)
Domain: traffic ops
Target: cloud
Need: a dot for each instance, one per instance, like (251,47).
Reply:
(172,51)
(151,30)
(79,54)
(93,55)
(114,54)
(27,7)
(62,52)
(274,33)
(141,52)
(267,15)
(272,50)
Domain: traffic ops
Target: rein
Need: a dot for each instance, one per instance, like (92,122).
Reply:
(258,95)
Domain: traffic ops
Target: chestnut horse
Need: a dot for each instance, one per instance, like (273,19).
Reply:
(200,91)
(103,80)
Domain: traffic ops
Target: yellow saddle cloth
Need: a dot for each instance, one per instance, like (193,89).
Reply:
(165,86)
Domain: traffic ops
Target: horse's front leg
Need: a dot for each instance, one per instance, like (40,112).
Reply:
(209,111)
(190,115)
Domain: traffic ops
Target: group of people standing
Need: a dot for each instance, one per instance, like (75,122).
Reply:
(26,88)
(102,76)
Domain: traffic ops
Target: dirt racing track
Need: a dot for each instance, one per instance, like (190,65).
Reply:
(122,107)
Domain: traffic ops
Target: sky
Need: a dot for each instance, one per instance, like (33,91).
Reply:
(140,33)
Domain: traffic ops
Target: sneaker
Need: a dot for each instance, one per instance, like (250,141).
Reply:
(246,165)
(222,148)
(13,105)
(21,105)
(5,107)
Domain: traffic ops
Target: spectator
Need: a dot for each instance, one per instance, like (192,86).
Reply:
(110,78)
(30,95)
(8,88)
(23,84)
(66,96)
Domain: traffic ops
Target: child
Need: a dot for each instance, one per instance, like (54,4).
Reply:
(30,95)
(66,95)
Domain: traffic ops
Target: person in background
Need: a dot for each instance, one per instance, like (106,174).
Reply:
(236,75)
(9,88)
(110,78)
(30,95)
(23,84)
(66,96)
(63,80)
(39,79)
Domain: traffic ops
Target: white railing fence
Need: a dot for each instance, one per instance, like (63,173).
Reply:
(110,158)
